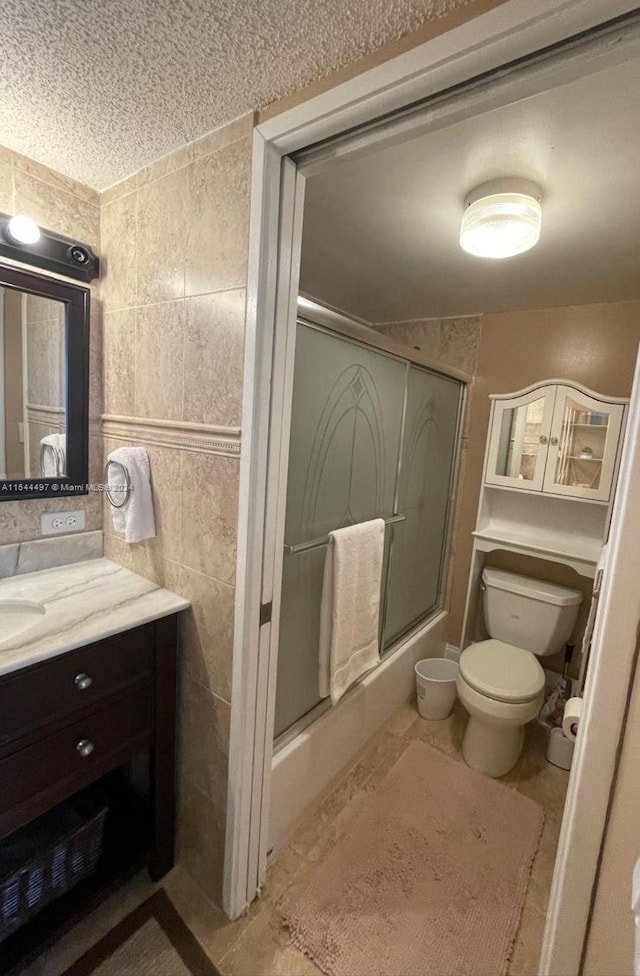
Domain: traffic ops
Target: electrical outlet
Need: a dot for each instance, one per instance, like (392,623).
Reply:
(60,522)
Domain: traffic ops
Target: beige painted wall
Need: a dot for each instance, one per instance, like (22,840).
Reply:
(592,344)
(611,938)
(174,243)
(61,205)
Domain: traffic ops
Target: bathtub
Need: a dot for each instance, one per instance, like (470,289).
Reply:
(306,769)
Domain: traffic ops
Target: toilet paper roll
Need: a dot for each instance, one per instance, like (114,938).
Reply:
(572,716)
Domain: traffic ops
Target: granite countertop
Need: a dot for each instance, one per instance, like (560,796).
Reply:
(84,602)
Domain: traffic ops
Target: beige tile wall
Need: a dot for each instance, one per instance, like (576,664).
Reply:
(61,205)
(174,241)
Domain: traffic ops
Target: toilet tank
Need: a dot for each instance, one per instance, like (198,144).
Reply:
(528,612)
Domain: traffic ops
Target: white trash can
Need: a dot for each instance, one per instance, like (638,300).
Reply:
(436,686)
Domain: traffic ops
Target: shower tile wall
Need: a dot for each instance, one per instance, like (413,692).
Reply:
(453,342)
(175,239)
(60,205)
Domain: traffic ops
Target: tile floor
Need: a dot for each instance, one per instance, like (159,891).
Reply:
(258,944)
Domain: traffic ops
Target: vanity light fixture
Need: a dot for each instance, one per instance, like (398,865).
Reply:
(22,240)
(501,218)
(23,229)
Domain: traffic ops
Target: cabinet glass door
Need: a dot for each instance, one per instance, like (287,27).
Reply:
(583,445)
(519,440)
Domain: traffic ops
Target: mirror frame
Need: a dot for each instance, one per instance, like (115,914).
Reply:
(77,302)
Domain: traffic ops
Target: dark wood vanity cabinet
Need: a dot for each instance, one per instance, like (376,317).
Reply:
(74,720)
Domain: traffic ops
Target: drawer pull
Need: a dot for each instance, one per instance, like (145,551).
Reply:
(82,681)
(85,747)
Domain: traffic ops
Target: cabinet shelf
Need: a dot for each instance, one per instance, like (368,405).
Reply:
(126,846)
(578,457)
(536,493)
(585,551)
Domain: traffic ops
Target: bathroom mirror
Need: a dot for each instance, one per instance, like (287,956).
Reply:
(44,380)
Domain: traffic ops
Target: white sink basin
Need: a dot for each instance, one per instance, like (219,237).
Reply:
(16,616)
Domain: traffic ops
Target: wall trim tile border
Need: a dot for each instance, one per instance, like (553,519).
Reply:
(41,414)
(176,434)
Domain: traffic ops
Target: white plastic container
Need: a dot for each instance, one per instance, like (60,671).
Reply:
(560,749)
(436,686)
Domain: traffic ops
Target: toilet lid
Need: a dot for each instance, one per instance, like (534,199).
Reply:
(502,671)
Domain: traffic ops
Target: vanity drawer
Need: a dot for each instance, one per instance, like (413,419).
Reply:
(43,693)
(60,764)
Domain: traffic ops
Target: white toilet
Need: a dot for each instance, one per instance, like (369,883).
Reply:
(500,681)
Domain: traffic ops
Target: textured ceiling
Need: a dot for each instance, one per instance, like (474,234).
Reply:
(98,88)
(380,234)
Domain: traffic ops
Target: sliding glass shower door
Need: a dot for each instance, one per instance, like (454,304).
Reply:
(369,433)
(424,484)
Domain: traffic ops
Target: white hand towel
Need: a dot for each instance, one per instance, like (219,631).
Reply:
(53,462)
(135,518)
(350,609)
(117,485)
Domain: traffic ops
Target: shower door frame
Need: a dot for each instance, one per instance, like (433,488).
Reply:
(328,321)
(474,40)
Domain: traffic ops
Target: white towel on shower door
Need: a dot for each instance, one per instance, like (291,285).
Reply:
(350,608)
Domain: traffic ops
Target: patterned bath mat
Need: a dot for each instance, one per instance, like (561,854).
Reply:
(429,878)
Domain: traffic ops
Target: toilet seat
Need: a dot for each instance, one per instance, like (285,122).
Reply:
(502,672)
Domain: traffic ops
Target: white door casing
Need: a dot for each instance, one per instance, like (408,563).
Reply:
(607,685)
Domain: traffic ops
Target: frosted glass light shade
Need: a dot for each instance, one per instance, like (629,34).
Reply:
(501,223)
(23,229)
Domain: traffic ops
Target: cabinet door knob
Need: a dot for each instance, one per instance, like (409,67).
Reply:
(82,681)
(543,439)
(554,440)
(85,747)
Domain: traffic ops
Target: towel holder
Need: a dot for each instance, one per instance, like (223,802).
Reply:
(126,487)
(318,543)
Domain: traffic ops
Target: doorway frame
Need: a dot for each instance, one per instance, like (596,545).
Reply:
(479,38)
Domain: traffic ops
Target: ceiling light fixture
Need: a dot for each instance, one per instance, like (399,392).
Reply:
(23,229)
(501,218)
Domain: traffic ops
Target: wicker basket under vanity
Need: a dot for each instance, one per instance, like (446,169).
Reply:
(43,860)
